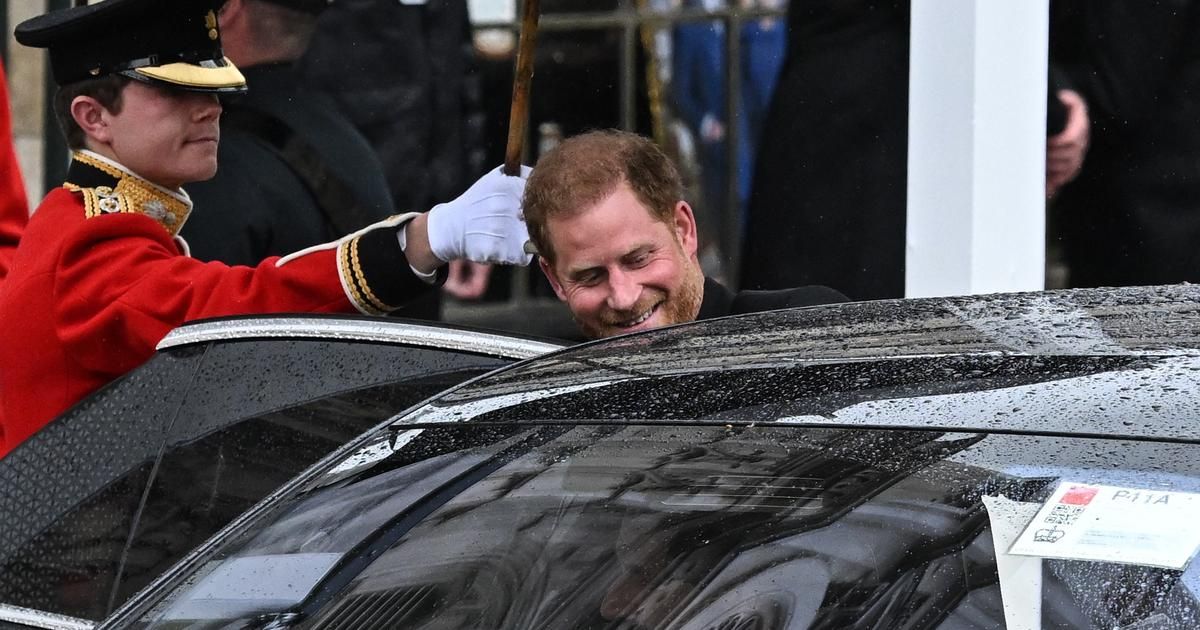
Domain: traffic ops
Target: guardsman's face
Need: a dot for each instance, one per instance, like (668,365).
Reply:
(167,136)
(621,270)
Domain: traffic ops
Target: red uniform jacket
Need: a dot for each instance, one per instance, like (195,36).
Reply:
(14,212)
(100,278)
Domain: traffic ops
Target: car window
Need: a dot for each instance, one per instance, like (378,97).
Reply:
(606,526)
(69,494)
(229,423)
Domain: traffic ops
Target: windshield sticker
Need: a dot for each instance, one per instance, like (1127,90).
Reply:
(1114,524)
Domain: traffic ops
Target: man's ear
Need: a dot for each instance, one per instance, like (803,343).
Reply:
(230,12)
(89,114)
(685,228)
(548,270)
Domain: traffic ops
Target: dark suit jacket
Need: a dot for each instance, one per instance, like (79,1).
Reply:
(720,301)
(1132,216)
(828,201)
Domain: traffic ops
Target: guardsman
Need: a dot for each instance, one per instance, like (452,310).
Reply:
(101,274)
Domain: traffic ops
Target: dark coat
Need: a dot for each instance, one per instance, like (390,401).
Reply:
(401,74)
(720,301)
(257,205)
(1133,214)
(828,199)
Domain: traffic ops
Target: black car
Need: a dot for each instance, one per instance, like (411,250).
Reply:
(108,496)
(873,465)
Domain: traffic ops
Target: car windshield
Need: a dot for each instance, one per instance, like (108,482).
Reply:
(671,526)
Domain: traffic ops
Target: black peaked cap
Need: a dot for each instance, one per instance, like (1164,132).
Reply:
(176,42)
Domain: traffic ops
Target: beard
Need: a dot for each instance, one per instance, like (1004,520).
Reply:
(681,305)
(686,303)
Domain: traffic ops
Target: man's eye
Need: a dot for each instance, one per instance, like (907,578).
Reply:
(588,279)
(639,258)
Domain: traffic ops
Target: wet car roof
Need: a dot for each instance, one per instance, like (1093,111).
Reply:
(1070,322)
(1090,363)
(1106,362)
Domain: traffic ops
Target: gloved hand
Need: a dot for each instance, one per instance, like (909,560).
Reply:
(484,224)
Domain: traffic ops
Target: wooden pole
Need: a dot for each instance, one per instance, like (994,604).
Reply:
(522,82)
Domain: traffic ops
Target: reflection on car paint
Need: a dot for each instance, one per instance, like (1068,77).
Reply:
(676,526)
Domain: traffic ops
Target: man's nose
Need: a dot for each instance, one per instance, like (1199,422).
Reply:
(623,291)
(209,106)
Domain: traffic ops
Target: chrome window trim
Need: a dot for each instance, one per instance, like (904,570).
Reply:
(42,619)
(358,330)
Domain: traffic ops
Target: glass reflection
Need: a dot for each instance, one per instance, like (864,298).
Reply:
(652,527)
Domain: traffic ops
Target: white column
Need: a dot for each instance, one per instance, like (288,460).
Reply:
(976,147)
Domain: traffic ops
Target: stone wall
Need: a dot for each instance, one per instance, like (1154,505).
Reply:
(26,89)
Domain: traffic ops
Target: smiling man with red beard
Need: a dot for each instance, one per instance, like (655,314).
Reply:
(618,242)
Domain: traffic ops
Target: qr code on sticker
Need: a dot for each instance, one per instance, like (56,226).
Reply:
(1064,514)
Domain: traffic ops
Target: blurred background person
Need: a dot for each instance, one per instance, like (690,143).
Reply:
(1133,215)
(402,73)
(764,42)
(829,190)
(14,205)
(293,172)
(698,89)
(699,95)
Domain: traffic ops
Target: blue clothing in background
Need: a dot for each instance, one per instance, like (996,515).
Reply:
(698,81)
(764,43)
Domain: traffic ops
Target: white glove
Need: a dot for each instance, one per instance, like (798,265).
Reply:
(484,224)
